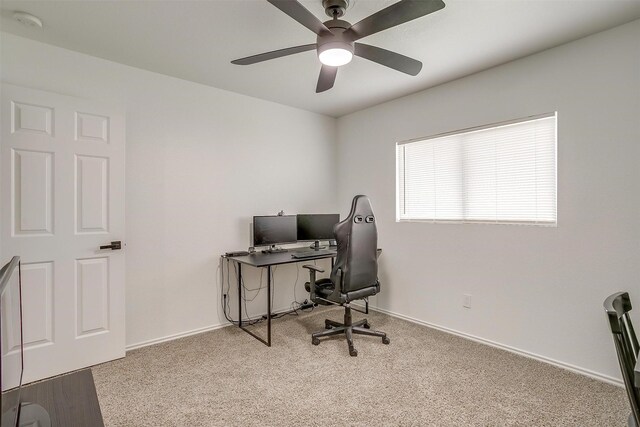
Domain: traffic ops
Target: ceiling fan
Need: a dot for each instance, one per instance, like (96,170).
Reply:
(336,38)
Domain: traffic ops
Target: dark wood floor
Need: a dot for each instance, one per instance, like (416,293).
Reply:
(70,400)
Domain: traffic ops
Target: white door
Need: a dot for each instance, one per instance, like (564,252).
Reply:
(62,194)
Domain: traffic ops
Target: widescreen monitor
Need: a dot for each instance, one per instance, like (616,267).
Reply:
(314,227)
(274,230)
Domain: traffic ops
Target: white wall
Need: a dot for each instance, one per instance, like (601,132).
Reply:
(200,162)
(536,289)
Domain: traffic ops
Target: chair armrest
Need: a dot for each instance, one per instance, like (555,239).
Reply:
(314,268)
(312,279)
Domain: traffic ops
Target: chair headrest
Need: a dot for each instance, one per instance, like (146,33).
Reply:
(361,210)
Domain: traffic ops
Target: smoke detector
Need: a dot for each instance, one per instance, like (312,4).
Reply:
(27,19)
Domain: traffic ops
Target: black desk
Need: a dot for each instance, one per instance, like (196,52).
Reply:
(260,260)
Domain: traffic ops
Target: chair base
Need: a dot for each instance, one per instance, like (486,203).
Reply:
(348,328)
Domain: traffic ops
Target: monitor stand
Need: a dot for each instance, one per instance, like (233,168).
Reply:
(273,250)
(316,246)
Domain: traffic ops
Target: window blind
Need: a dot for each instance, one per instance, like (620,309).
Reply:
(503,173)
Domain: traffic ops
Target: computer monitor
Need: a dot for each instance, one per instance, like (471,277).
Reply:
(274,230)
(316,227)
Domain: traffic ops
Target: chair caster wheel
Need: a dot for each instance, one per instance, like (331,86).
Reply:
(315,341)
(353,352)
(385,340)
(328,326)
(366,326)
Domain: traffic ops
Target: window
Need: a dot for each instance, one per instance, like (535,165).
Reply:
(504,173)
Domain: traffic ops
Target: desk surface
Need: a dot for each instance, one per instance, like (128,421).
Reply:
(259,259)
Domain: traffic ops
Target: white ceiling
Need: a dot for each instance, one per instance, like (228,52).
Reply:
(196,40)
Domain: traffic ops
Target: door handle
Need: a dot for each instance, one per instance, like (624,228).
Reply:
(114,246)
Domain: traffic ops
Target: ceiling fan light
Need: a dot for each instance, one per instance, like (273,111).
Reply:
(335,57)
(335,54)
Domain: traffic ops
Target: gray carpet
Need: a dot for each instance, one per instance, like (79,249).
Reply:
(423,378)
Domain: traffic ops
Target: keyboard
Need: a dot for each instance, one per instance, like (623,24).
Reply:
(311,254)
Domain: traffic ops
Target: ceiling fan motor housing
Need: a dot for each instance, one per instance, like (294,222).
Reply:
(335,8)
(335,40)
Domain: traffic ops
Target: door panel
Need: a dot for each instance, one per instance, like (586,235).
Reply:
(62,192)
(37,303)
(32,199)
(31,118)
(92,287)
(92,190)
(92,128)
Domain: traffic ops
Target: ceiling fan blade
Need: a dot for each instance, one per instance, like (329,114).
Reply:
(396,14)
(273,54)
(301,14)
(327,78)
(385,57)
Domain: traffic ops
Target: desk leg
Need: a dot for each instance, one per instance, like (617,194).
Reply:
(239,295)
(249,323)
(269,306)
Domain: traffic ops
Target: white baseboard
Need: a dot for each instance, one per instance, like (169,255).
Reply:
(187,333)
(557,363)
(175,336)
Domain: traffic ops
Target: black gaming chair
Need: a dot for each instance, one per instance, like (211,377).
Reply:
(617,307)
(354,275)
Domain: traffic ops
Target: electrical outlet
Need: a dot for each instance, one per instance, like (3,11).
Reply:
(466,301)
